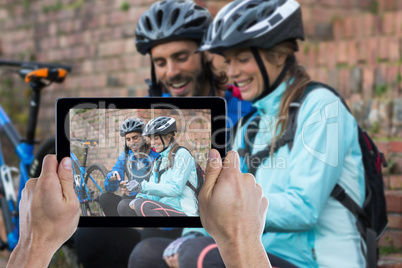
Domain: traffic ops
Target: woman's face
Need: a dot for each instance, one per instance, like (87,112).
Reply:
(157,143)
(243,70)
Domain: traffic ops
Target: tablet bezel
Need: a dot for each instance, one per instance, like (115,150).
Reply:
(216,105)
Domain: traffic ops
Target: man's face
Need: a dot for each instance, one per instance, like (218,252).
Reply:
(134,141)
(179,68)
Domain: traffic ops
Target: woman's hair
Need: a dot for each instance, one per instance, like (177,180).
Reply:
(295,90)
(217,79)
(145,146)
(170,138)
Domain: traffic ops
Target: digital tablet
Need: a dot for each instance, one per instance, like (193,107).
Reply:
(131,179)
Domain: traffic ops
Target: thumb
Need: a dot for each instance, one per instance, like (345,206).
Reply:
(65,173)
(212,171)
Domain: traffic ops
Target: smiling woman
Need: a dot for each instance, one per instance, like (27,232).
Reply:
(241,67)
(304,224)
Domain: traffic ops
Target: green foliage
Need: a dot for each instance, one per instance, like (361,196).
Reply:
(27,4)
(342,65)
(380,90)
(398,78)
(53,8)
(58,6)
(15,101)
(306,49)
(374,7)
(375,128)
(75,5)
(386,250)
(125,6)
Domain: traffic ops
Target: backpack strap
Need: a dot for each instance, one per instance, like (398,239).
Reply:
(188,182)
(161,171)
(368,234)
(239,124)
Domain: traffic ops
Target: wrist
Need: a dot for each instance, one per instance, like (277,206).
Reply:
(31,254)
(243,253)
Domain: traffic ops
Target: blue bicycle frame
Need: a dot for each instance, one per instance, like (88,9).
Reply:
(23,148)
(24,151)
(80,181)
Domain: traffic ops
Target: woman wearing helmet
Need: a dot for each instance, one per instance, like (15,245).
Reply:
(172,172)
(304,224)
(135,162)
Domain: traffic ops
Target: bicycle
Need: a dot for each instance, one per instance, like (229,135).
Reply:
(86,182)
(37,76)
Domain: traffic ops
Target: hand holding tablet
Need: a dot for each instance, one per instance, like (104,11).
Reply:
(168,183)
(233,210)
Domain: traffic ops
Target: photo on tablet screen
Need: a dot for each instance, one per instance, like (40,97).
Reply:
(142,162)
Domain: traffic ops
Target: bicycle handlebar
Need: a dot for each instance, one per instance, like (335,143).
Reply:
(34,65)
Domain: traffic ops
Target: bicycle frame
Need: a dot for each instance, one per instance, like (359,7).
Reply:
(24,151)
(80,178)
(23,148)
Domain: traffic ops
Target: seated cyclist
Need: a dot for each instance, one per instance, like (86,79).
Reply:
(135,162)
(167,192)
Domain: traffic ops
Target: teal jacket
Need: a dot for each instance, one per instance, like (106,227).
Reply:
(304,225)
(171,188)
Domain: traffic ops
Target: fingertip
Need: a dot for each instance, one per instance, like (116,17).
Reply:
(214,159)
(49,164)
(213,154)
(66,163)
(231,160)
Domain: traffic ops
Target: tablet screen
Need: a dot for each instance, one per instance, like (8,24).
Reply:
(145,177)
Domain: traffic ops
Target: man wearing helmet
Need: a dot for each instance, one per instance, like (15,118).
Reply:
(172,172)
(170,32)
(135,162)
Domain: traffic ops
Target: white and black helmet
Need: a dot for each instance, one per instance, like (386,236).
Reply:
(160,125)
(170,20)
(131,125)
(254,23)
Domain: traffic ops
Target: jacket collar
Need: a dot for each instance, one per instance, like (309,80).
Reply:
(270,104)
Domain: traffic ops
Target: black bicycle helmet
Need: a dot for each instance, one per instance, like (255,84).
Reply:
(170,20)
(160,125)
(254,23)
(131,125)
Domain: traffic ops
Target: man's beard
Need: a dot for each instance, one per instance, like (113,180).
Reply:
(201,83)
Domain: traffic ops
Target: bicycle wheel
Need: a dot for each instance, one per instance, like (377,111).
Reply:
(47,147)
(94,179)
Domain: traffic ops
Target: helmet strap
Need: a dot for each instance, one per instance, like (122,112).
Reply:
(269,89)
(263,71)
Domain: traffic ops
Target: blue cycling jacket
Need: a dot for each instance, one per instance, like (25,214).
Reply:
(171,188)
(140,169)
(304,224)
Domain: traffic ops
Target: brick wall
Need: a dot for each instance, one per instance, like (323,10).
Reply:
(354,45)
